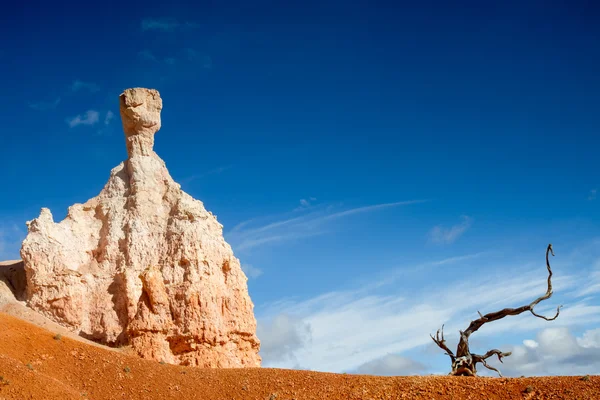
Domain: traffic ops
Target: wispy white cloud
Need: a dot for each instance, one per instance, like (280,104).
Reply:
(166,25)
(366,209)
(105,129)
(591,285)
(442,235)
(251,271)
(191,56)
(277,238)
(310,224)
(305,204)
(78,85)
(197,57)
(109,116)
(454,260)
(147,55)
(214,171)
(90,117)
(44,106)
(592,195)
(352,328)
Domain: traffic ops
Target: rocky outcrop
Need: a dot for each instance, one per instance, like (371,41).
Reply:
(143,262)
(12,281)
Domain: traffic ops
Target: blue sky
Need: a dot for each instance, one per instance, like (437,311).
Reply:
(373,163)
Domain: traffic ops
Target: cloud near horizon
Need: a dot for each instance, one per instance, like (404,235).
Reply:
(555,351)
(281,337)
(391,365)
(370,329)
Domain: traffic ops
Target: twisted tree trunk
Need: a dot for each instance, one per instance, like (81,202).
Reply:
(464,363)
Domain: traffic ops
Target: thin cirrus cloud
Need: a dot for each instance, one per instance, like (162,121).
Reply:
(244,236)
(592,283)
(44,106)
(370,329)
(251,271)
(105,128)
(75,87)
(166,25)
(147,55)
(442,235)
(197,57)
(186,55)
(592,195)
(109,117)
(78,85)
(306,203)
(214,171)
(90,117)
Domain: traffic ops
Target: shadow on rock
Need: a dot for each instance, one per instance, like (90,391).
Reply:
(13,283)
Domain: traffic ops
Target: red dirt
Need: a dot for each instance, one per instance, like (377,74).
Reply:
(34,365)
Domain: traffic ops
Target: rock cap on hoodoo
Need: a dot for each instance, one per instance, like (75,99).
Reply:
(140,113)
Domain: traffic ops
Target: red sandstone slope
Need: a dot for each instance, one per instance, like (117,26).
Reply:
(34,365)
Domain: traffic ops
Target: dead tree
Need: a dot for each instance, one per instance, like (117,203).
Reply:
(464,363)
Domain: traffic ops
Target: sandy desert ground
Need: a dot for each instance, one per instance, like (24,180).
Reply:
(35,364)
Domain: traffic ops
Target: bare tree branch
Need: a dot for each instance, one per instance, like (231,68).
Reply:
(485,364)
(548,292)
(464,362)
(496,352)
(482,359)
(494,316)
(441,342)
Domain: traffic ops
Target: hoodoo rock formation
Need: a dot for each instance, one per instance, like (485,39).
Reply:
(143,262)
